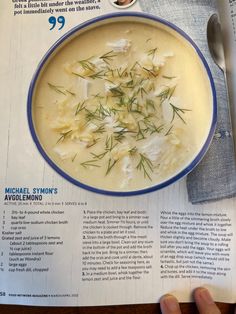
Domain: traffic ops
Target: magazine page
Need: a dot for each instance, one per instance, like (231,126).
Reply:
(93,240)
(227,13)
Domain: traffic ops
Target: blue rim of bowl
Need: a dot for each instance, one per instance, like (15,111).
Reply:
(66,36)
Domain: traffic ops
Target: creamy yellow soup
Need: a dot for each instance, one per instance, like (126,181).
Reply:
(123,106)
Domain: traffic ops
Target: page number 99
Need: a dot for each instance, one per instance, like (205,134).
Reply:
(54,21)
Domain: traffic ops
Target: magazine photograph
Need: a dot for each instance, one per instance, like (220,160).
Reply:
(118,154)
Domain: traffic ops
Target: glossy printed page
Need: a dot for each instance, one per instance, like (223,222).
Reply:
(62,245)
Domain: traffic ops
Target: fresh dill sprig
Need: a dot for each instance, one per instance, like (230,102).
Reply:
(63,136)
(140,135)
(71,93)
(151,127)
(152,71)
(152,52)
(109,71)
(80,107)
(167,93)
(145,165)
(103,112)
(87,64)
(101,129)
(129,84)
(99,156)
(150,104)
(141,91)
(172,90)
(98,96)
(57,89)
(121,73)
(73,159)
(134,110)
(109,56)
(110,145)
(120,135)
(134,66)
(111,164)
(79,75)
(94,142)
(116,91)
(90,163)
(164,94)
(92,115)
(177,112)
(168,77)
(169,131)
(133,151)
(132,101)
(97,75)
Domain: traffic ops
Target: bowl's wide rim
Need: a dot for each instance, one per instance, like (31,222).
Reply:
(83,26)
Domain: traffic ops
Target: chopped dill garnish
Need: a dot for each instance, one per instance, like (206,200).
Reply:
(109,56)
(116,91)
(150,104)
(111,164)
(99,156)
(80,107)
(98,96)
(95,140)
(167,93)
(128,112)
(57,88)
(73,159)
(131,101)
(101,129)
(152,128)
(92,115)
(97,75)
(141,91)
(87,64)
(79,75)
(71,93)
(140,136)
(90,163)
(133,151)
(120,135)
(172,90)
(152,71)
(129,84)
(152,52)
(145,165)
(134,66)
(168,77)
(164,94)
(123,73)
(110,145)
(178,111)
(169,131)
(63,136)
(109,71)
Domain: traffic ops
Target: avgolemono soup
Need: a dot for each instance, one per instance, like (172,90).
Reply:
(123,106)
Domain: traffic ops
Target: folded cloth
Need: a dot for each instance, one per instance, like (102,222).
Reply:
(215,177)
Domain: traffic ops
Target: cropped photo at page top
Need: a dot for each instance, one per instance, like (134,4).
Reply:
(122,4)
